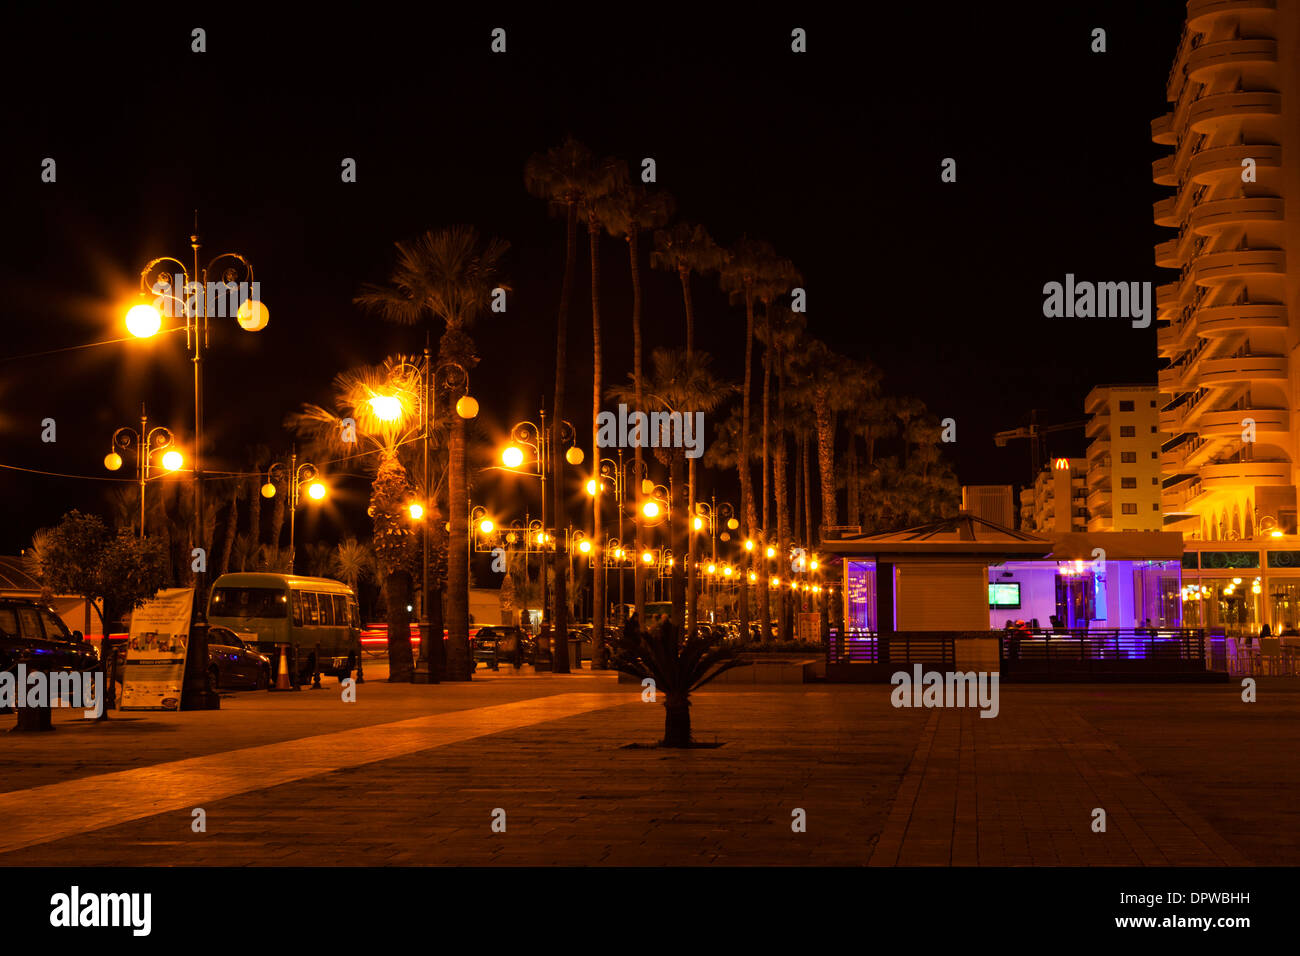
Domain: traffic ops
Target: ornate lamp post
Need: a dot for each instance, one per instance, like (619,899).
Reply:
(146,441)
(201,299)
(526,434)
(298,475)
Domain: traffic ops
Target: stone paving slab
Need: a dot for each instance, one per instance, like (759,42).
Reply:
(1188,775)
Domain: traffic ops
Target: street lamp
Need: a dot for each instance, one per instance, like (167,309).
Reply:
(199,296)
(537,437)
(298,475)
(146,441)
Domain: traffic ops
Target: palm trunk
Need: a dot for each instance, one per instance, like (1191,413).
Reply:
(401,665)
(560,635)
(851,501)
(807,494)
(598,600)
(254,518)
(232,528)
(457,668)
(692,597)
(760,546)
(638,390)
(679,524)
(826,464)
(747,516)
(677,721)
(782,504)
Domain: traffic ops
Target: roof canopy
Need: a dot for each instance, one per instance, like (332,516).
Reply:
(963,534)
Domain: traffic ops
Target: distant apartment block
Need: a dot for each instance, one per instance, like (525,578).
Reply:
(994,503)
(1057,501)
(1230,319)
(1124,477)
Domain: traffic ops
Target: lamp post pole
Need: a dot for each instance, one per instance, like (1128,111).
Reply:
(295,475)
(198,695)
(145,446)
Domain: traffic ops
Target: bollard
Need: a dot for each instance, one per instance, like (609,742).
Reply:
(33,719)
(315,677)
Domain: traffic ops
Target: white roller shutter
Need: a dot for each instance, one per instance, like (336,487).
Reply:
(942,597)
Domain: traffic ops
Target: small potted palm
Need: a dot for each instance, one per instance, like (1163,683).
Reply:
(677,666)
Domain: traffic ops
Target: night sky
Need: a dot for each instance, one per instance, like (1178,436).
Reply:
(833,156)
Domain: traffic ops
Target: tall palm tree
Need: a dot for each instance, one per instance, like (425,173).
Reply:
(376,449)
(607,176)
(628,212)
(781,334)
(685,384)
(562,176)
(781,275)
(832,384)
(688,249)
(448,275)
(748,269)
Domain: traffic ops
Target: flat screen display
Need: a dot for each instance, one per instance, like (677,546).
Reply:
(1004,594)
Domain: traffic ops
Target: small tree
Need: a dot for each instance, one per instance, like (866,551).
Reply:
(677,667)
(115,572)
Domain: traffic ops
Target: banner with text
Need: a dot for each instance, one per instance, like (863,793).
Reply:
(155,652)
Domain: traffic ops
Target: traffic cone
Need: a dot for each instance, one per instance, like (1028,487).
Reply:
(282,681)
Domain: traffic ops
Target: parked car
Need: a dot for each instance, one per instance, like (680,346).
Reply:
(503,640)
(233,663)
(31,632)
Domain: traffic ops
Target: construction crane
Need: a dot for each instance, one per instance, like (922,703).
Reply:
(1035,433)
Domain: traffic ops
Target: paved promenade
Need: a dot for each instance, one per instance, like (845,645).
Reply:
(417,775)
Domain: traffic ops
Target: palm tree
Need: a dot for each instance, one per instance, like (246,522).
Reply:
(606,177)
(832,384)
(378,441)
(562,176)
(748,270)
(683,384)
(781,334)
(627,213)
(676,666)
(687,249)
(448,274)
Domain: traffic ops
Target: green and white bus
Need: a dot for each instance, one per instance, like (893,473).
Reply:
(266,609)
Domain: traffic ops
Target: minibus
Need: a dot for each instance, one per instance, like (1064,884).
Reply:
(266,609)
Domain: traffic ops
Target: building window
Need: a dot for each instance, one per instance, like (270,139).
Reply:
(1128,431)
(1126,405)
(1155,481)
(1156,506)
(1128,482)
(1153,429)
(1128,508)
(1153,404)
(1153,456)
(1128,457)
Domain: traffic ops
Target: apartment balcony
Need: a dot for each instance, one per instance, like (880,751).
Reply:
(1201,14)
(1098,449)
(1245,474)
(1165,212)
(1215,268)
(1097,424)
(1099,500)
(1217,321)
(1222,163)
(1209,218)
(1167,254)
(1162,172)
(1167,299)
(1226,54)
(1162,130)
(1250,368)
(1272,422)
(1210,112)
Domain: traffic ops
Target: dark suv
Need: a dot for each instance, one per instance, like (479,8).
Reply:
(32,633)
